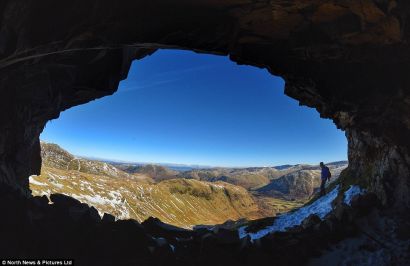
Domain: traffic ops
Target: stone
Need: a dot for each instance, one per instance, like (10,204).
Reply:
(64,201)
(78,212)
(311,221)
(108,218)
(227,236)
(342,213)
(161,242)
(245,243)
(93,214)
(157,228)
(365,203)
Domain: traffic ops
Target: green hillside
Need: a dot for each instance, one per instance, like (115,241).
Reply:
(180,202)
(184,199)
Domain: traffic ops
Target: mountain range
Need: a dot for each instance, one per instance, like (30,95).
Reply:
(181,198)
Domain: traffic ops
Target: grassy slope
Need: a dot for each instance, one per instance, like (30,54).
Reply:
(56,157)
(179,202)
(270,207)
(246,179)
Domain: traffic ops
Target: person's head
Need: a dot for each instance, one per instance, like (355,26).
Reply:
(322,164)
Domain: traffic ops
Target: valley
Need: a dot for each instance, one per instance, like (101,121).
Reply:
(180,198)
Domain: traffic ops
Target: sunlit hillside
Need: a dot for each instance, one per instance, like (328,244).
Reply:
(184,199)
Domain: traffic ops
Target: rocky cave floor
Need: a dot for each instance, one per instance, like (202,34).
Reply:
(359,235)
(380,240)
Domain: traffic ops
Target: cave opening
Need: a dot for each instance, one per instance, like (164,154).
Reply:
(191,139)
(347,59)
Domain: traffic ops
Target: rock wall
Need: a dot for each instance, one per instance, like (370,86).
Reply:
(348,59)
(383,168)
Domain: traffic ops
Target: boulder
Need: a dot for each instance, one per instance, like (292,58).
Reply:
(226,236)
(63,201)
(311,221)
(157,228)
(365,203)
(108,218)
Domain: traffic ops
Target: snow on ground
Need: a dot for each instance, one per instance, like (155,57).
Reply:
(115,194)
(351,192)
(57,185)
(124,212)
(97,201)
(54,176)
(321,207)
(35,182)
(217,186)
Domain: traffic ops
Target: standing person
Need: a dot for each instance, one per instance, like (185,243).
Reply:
(325,175)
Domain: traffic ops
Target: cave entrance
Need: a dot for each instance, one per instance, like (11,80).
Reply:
(191,139)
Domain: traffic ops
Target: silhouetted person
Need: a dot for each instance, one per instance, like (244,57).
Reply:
(325,175)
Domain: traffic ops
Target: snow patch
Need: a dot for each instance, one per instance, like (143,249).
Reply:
(116,203)
(351,192)
(35,182)
(58,185)
(97,199)
(321,207)
(55,176)
(217,186)
(100,213)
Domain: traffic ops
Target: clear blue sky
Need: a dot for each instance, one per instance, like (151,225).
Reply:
(182,107)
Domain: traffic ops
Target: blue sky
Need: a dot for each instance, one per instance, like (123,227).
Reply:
(188,108)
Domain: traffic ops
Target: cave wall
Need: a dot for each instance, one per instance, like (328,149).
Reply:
(348,59)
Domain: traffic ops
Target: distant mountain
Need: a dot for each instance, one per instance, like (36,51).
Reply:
(172,166)
(155,172)
(56,157)
(283,167)
(183,168)
(295,185)
(249,178)
(337,164)
(301,183)
(253,178)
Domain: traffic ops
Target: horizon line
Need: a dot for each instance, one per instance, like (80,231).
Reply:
(97,158)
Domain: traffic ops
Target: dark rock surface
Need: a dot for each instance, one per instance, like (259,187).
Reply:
(348,59)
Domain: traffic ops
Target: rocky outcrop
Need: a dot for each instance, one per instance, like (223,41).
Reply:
(53,156)
(382,167)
